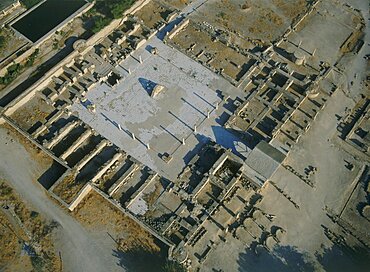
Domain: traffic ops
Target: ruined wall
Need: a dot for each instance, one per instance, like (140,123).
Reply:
(9,9)
(114,24)
(133,217)
(29,51)
(84,192)
(44,81)
(177,29)
(39,85)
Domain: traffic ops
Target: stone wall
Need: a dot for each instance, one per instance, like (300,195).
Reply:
(29,52)
(44,81)
(177,29)
(9,9)
(133,217)
(29,137)
(39,85)
(84,192)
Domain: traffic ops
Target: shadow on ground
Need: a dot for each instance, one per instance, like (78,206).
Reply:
(284,258)
(342,257)
(339,257)
(229,141)
(142,259)
(50,176)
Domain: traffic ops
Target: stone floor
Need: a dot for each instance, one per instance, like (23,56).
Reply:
(189,95)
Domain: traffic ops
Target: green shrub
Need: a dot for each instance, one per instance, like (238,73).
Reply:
(99,23)
(2,42)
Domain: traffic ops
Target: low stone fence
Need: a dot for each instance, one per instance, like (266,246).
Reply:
(84,192)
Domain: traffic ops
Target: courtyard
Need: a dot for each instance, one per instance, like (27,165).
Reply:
(172,124)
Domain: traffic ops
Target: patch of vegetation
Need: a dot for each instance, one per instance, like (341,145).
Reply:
(34,214)
(15,69)
(113,8)
(5,190)
(32,57)
(100,22)
(120,7)
(2,41)
(11,74)
(221,14)
(173,266)
(105,11)
(38,263)
(30,3)
(34,232)
(69,187)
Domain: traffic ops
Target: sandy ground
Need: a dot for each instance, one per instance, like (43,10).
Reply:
(304,246)
(265,20)
(80,252)
(332,180)
(304,235)
(20,226)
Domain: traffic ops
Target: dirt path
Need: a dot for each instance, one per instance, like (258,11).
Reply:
(79,250)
